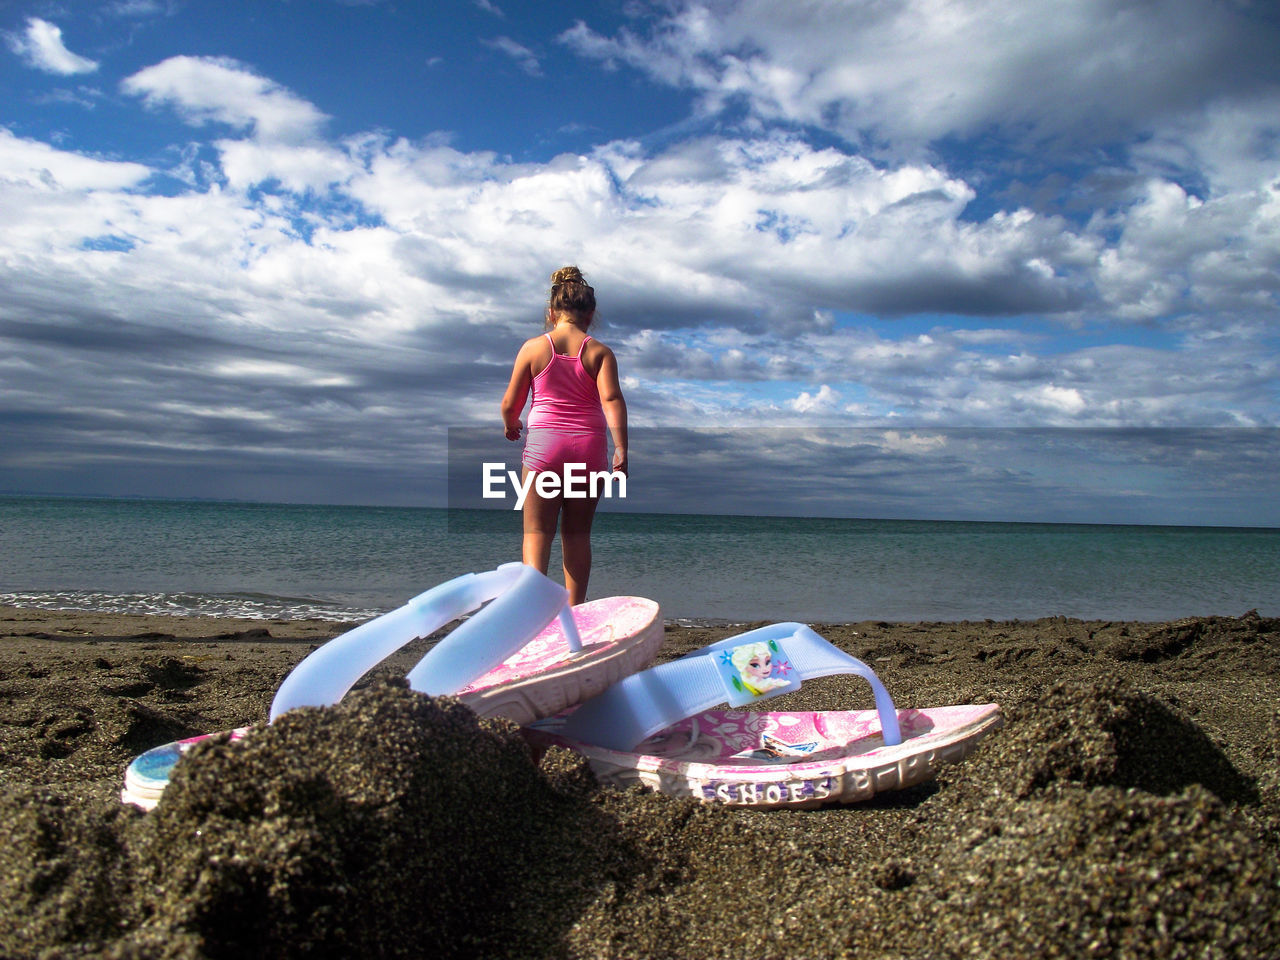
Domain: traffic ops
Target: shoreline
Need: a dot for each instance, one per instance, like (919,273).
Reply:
(85,621)
(1132,801)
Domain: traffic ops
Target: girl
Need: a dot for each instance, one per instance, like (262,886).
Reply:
(574,380)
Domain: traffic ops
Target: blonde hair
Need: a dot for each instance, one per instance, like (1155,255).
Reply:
(570,293)
(743,655)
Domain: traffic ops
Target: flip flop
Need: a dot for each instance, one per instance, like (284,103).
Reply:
(526,655)
(656,728)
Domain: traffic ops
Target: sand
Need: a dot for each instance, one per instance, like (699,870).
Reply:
(1129,808)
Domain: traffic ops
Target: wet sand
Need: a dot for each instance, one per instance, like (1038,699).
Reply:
(1130,807)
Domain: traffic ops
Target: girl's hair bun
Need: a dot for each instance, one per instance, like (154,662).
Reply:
(567,275)
(570,293)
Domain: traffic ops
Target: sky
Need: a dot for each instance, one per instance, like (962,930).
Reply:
(954,259)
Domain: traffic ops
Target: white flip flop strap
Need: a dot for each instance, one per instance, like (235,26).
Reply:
(637,707)
(526,601)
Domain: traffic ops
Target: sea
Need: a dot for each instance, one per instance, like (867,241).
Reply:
(348,563)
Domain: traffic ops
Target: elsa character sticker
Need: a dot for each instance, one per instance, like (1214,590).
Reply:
(754,671)
(754,663)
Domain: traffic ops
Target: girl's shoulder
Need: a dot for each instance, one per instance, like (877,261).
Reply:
(597,348)
(536,346)
(594,354)
(533,355)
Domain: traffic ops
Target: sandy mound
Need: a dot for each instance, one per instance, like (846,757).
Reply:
(404,821)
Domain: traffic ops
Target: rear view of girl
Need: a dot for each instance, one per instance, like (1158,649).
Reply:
(574,381)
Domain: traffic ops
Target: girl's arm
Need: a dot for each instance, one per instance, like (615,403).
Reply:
(513,400)
(615,407)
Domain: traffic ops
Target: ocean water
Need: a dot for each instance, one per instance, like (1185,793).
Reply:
(350,563)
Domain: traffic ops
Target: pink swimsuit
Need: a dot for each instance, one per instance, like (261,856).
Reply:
(566,421)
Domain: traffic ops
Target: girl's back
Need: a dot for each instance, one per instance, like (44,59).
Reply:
(565,395)
(567,340)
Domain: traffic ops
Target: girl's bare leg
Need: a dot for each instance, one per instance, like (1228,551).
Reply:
(540,516)
(575,545)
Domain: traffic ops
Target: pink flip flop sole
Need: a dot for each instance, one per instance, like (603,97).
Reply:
(796,760)
(620,635)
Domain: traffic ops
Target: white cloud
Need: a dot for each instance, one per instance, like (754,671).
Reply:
(140,8)
(524,58)
(38,166)
(82,96)
(218,89)
(276,370)
(42,47)
(913,442)
(1056,399)
(722,231)
(911,72)
(824,401)
(1176,253)
(1233,144)
(298,167)
(714,234)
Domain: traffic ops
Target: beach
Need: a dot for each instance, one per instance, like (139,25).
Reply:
(1129,807)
